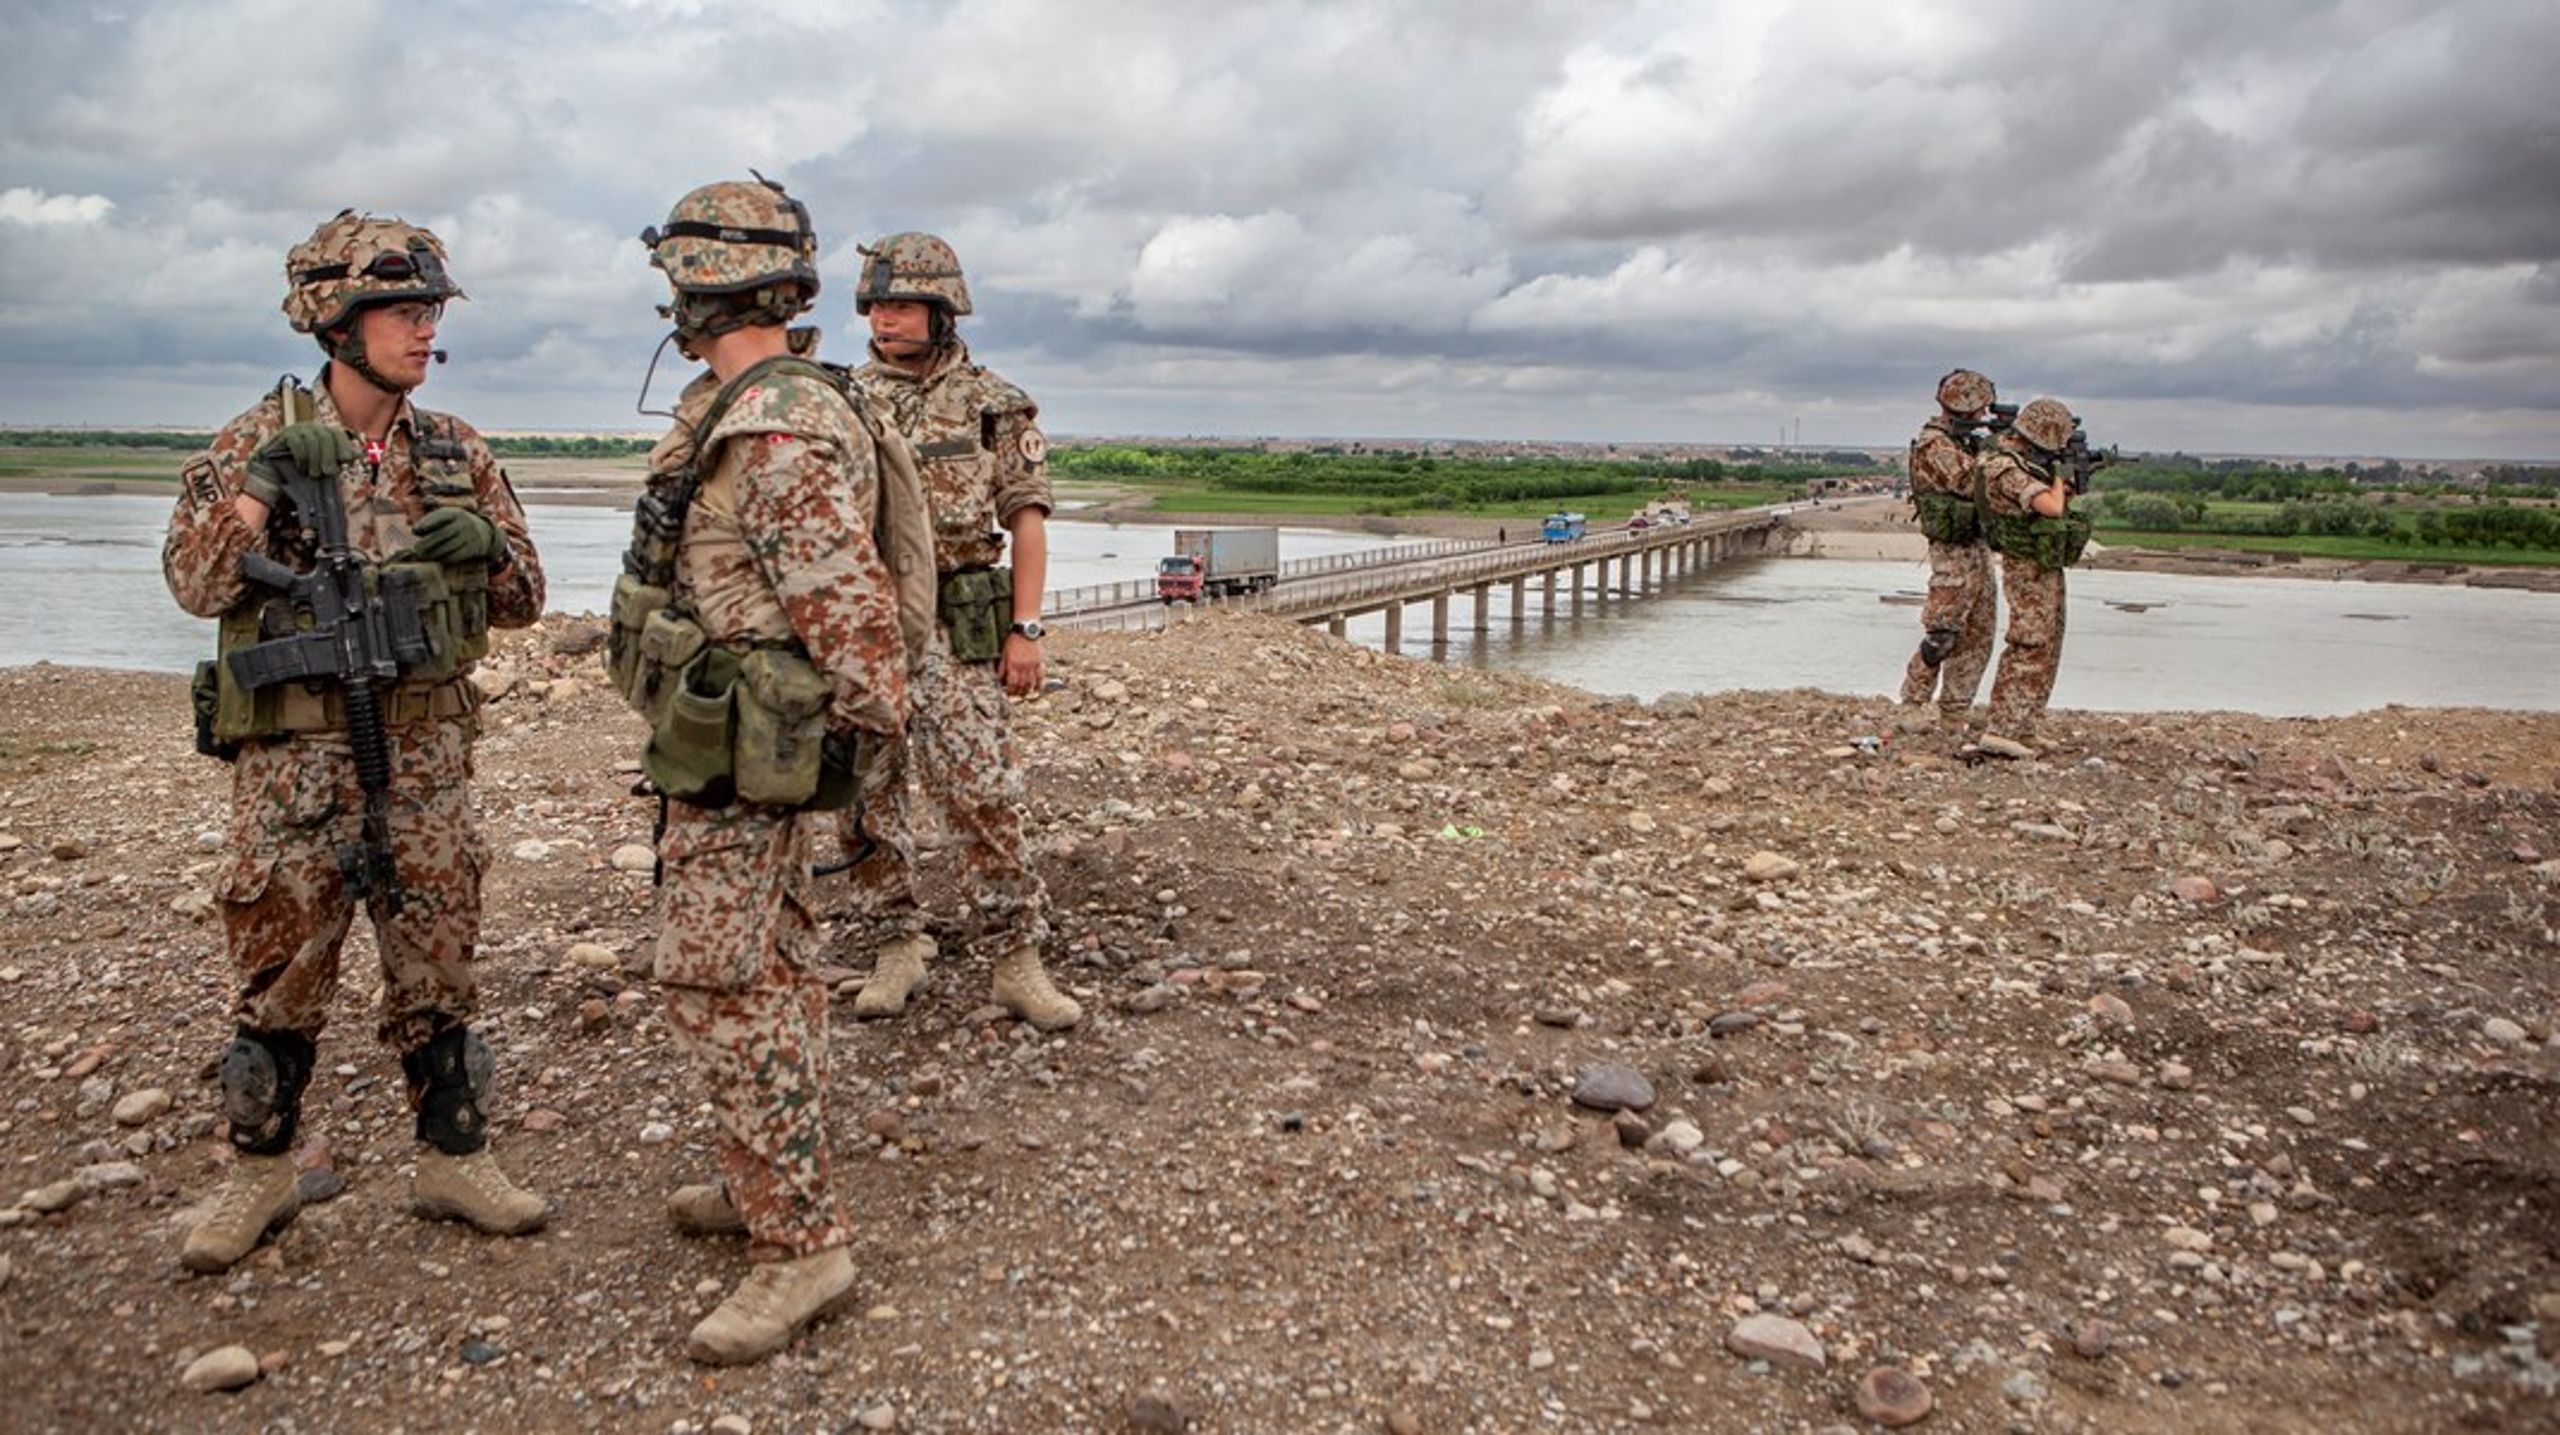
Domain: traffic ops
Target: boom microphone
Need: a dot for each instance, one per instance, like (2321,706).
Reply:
(438,353)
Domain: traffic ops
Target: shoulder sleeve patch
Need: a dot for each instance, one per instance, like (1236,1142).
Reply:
(203,479)
(1035,447)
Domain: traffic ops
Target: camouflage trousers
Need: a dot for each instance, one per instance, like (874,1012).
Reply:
(2032,654)
(957,750)
(285,906)
(737,951)
(1956,625)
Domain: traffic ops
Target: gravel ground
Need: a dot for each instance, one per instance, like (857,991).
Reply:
(1464,1054)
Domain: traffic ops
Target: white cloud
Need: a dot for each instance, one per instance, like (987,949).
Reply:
(33,206)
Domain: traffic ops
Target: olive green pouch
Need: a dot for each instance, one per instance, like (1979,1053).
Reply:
(1946,518)
(468,586)
(204,695)
(439,618)
(2059,542)
(634,604)
(688,757)
(975,605)
(240,715)
(670,643)
(782,727)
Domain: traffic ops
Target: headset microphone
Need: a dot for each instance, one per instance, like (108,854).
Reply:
(438,353)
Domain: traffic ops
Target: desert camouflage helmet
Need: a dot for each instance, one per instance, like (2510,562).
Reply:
(736,236)
(911,266)
(354,259)
(2046,424)
(1963,391)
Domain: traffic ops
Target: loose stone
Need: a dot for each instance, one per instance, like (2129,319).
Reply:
(229,1368)
(1776,1339)
(1893,1397)
(1612,1086)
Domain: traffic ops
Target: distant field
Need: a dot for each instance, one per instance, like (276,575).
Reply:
(2315,546)
(92,465)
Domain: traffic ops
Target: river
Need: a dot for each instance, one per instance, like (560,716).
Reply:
(80,584)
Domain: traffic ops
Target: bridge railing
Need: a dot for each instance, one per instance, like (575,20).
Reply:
(1067,602)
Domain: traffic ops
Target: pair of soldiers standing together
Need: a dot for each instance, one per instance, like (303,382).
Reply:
(1974,494)
(792,481)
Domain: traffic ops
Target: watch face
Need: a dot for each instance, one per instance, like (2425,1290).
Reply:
(1031,630)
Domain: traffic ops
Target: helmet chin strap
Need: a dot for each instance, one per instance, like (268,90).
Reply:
(350,352)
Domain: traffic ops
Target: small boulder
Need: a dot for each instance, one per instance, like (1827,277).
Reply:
(230,1368)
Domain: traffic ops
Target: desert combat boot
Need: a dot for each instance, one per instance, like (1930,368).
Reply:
(705,1210)
(770,1306)
(257,1196)
(897,969)
(472,1189)
(1022,987)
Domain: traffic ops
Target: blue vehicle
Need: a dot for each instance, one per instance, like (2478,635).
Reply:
(1563,527)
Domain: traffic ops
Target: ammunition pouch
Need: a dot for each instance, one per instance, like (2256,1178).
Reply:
(689,756)
(975,606)
(466,587)
(1948,518)
(204,695)
(782,727)
(649,645)
(2050,542)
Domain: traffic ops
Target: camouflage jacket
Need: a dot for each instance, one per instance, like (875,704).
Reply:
(2010,481)
(1940,461)
(384,495)
(977,439)
(778,547)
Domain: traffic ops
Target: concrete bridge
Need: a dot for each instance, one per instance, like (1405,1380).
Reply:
(1335,590)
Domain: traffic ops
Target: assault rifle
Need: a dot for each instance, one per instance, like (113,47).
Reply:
(1986,430)
(364,625)
(2078,461)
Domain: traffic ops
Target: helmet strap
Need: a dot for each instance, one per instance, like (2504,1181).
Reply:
(349,350)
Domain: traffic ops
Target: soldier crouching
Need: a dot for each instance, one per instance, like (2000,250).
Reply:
(346,712)
(756,629)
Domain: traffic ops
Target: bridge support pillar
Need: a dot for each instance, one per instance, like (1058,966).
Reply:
(1577,587)
(1440,617)
(1337,624)
(1484,602)
(1395,627)
(1519,599)
(1550,609)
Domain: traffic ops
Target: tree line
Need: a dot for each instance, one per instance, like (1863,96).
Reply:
(510,446)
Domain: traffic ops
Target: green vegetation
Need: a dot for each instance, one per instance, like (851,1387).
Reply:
(1253,480)
(2340,513)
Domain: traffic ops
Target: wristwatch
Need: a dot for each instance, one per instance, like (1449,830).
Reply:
(1029,628)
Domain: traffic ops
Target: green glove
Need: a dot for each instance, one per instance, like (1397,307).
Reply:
(456,535)
(318,450)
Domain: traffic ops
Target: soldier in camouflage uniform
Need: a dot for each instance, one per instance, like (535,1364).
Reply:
(1956,622)
(2021,482)
(776,555)
(978,441)
(416,487)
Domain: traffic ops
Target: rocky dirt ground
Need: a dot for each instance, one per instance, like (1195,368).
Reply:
(1465,1054)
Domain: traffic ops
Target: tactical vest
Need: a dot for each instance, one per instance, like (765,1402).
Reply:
(1944,517)
(747,721)
(452,602)
(2034,537)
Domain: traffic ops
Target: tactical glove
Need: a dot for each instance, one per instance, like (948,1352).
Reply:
(317,450)
(456,535)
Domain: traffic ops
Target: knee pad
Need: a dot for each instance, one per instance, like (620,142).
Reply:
(447,1078)
(263,1073)
(1935,644)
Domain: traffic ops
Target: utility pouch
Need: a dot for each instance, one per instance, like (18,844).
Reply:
(670,644)
(205,696)
(1947,518)
(782,727)
(688,757)
(467,584)
(2060,541)
(242,714)
(416,594)
(634,604)
(974,604)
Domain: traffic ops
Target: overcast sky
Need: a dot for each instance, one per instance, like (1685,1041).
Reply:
(2217,225)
